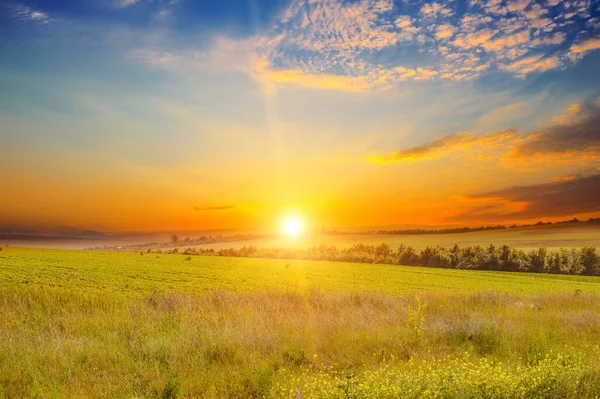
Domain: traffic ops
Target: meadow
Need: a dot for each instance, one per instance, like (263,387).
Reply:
(111,325)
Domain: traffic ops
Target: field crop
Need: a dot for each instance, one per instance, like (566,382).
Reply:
(113,325)
(134,274)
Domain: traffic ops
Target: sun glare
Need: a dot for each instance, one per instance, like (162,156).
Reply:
(293,226)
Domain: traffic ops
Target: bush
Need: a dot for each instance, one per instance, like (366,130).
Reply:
(589,261)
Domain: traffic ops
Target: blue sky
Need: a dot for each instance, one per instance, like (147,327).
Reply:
(342,98)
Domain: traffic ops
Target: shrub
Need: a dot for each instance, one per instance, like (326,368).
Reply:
(589,261)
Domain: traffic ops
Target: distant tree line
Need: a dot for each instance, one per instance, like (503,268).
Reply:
(443,231)
(583,261)
(456,230)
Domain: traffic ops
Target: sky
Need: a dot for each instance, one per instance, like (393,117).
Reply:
(185,115)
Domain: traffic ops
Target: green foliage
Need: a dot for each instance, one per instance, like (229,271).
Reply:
(348,386)
(589,261)
(576,261)
(416,319)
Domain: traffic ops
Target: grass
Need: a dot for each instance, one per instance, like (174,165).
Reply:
(135,274)
(113,325)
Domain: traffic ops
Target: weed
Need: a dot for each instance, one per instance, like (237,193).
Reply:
(416,319)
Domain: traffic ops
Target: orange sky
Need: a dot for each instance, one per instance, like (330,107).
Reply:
(426,114)
(439,183)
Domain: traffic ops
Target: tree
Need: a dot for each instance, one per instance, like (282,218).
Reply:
(174,239)
(407,256)
(537,260)
(590,261)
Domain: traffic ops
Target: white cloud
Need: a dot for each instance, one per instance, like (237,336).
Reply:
(125,3)
(26,14)
(337,44)
(38,15)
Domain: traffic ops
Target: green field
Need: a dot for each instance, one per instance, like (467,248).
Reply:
(135,274)
(113,325)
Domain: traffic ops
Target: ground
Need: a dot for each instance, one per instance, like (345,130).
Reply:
(111,325)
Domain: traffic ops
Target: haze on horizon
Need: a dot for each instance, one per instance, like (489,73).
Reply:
(158,115)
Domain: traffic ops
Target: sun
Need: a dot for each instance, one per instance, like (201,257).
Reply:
(293,226)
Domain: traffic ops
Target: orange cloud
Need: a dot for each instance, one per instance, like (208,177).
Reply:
(532,63)
(445,31)
(575,138)
(480,145)
(561,198)
(517,5)
(576,134)
(566,178)
(313,81)
(473,39)
(585,46)
(215,208)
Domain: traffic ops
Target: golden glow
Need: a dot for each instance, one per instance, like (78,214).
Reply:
(293,226)
(265,186)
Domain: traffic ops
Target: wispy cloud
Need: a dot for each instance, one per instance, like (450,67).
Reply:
(215,208)
(575,132)
(574,136)
(27,14)
(156,3)
(125,3)
(569,196)
(477,146)
(341,45)
(579,49)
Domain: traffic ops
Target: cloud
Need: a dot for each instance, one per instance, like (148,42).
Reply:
(50,231)
(445,31)
(566,177)
(27,14)
(532,63)
(38,15)
(517,5)
(506,115)
(571,196)
(347,45)
(154,3)
(126,3)
(579,133)
(465,142)
(554,39)
(274,78)
(435,9)
(215,208)
(577,50)
(575,136)
(428,150)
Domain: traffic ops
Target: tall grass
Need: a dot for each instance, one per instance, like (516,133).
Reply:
(60,342)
